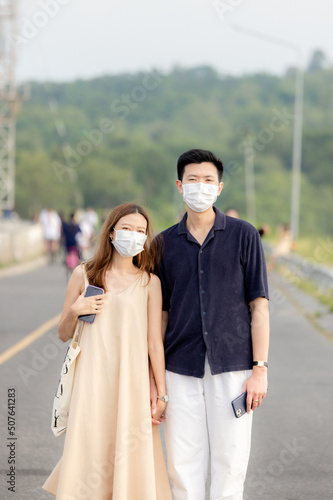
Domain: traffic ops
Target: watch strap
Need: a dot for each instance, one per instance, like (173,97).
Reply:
(260,363)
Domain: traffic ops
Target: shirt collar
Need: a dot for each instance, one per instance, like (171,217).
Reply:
(219,224)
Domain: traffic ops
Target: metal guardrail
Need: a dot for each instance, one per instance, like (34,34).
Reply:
(305,269)
(321,276)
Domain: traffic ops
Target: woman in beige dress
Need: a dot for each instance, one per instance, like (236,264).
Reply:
(112,448)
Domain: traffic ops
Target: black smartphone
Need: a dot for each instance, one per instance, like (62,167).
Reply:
(239,405)
(90,292)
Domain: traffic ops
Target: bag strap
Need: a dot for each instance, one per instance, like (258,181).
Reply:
(80,324)
(77,333)
(86,282)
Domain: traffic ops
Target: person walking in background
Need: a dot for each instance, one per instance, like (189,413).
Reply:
(88,221)
(216,325)
(70,231)
(112,450)
(283,246)
(232,212)
(92,217)
(51,224)
(264,230)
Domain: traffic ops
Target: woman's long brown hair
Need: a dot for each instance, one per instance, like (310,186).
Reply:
(97,266)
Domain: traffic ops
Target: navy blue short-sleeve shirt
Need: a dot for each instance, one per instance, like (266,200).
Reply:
(206,290)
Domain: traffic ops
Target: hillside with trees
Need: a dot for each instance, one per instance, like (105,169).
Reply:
(117,138)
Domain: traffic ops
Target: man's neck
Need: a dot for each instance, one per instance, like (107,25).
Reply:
(200,221)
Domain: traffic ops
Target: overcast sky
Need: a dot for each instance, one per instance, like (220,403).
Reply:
(69,39)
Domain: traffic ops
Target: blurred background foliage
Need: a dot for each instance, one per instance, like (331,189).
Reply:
(151,119)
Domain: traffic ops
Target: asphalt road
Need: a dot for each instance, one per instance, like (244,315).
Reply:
(292,446)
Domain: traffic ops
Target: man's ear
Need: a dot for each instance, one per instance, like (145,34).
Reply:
(220,188)
(179,186)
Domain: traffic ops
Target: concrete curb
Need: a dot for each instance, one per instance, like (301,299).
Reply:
(24,267)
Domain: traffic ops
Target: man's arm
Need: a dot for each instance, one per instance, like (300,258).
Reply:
(153,388)
(256,385)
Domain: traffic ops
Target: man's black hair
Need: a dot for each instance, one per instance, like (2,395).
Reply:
(198,156)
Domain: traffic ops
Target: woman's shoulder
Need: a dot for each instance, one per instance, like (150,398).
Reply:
(154,278)
(77,277)
(154,281)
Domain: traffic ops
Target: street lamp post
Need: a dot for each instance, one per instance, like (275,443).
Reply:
(297,154)
(298,123)
(249,180)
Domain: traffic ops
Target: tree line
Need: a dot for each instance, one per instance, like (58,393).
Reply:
(117,138)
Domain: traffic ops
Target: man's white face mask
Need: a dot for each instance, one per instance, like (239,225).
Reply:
(199,196)
(128,243)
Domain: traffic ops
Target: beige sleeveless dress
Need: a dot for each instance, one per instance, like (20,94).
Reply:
(111,450)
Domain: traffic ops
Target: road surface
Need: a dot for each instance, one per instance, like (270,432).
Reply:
(292,445)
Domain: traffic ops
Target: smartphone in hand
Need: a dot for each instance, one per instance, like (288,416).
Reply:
(90,292)
(239,405)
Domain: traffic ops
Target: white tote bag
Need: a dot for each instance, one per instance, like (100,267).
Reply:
(63,394)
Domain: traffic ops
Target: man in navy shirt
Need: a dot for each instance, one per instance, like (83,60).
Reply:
(216,325)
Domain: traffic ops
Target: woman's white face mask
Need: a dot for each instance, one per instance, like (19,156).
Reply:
(128,243)
(199,196)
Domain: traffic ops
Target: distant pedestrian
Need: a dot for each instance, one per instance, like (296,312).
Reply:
(92,217)
(283,246)
(264,230)
(51,224)
(88,221)
(232,212)
(70,232)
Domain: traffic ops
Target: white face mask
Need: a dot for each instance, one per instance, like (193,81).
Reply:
(200,196)
(128,243)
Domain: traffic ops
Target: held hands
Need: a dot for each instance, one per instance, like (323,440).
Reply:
(159,413)
(157,406)
(256,387)
(88,305)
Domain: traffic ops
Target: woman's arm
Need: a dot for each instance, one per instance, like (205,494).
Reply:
(76,304)
(155,342)
(153,388)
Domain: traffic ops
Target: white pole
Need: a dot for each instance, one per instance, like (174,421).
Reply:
(298,123)
(249,180)
(297,154)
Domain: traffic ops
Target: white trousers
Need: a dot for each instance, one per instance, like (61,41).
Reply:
(200,422)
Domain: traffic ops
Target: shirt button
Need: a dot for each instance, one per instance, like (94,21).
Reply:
(204,313)
(200,251)
(201,271)
(202,291)
(206,333)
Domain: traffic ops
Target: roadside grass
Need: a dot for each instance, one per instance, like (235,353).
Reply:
(307,286)
(317,249)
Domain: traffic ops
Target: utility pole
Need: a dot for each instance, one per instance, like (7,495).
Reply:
(8,103)
(298,122)
(249,180)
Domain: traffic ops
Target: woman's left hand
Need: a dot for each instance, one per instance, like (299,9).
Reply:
(158,416)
